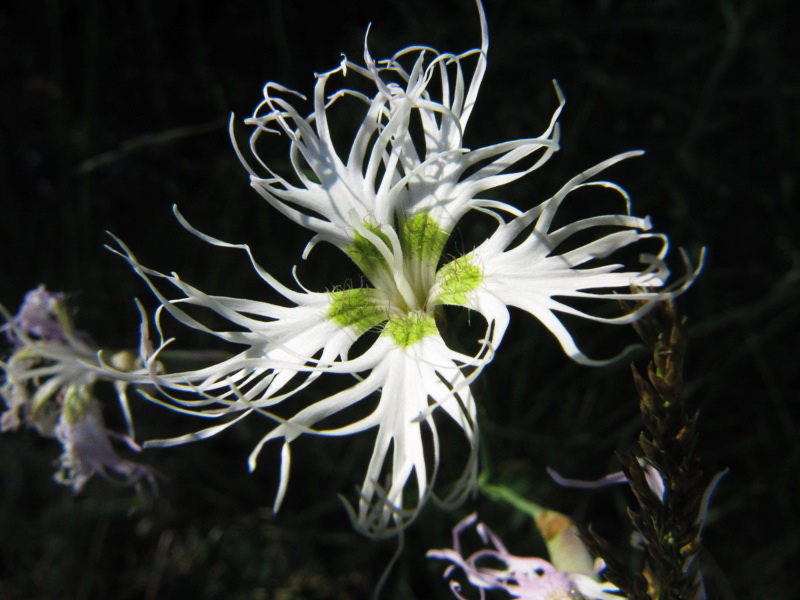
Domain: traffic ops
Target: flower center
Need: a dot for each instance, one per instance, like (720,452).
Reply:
(400,262)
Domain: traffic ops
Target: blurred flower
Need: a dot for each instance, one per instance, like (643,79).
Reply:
(48,354)
(390,205)
(87,444)
(48,384)
(40,317)
(528,578)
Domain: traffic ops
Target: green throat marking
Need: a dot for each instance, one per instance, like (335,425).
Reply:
(457,279)
(365,254)
(407,331)
(356,308)
(422,237)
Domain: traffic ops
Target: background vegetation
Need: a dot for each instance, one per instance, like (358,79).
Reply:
(112,112)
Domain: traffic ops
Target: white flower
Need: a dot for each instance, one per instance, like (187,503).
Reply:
(391,205)
(522,577)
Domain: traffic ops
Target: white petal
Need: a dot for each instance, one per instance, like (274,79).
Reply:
(531,275)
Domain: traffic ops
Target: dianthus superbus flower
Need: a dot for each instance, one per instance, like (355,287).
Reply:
(390,203)
(521,577)
(48,383)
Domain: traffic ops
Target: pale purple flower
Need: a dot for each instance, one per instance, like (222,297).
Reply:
(48,383)
(525,578)
(87,445)
(38,317)
(47,356)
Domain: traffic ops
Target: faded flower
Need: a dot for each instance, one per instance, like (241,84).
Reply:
(48,383)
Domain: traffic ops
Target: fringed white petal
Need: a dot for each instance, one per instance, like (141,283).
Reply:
(532,274)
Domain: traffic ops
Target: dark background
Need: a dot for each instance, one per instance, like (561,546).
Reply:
(110,112)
